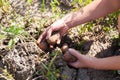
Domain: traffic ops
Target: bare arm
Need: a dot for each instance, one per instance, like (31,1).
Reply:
(108,63)
(96,9)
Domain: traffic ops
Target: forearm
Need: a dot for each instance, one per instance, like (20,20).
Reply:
(96,9)
(109,63)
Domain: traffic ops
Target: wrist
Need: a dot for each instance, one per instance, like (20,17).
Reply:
(68,21)
(92,62)
(65,25)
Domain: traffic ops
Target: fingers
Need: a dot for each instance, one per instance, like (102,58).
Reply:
(62,33)
(51,46)
(45,35)
(59,40)
(75,64)
(49,32)
(78,63)
(42,36)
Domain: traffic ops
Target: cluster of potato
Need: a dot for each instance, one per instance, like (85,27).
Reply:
(68,57)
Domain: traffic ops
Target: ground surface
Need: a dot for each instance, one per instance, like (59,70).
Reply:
(25,61)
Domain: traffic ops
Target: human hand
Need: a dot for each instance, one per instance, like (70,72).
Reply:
(82,61)
(58,26)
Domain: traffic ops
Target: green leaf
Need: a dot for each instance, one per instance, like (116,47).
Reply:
(15,40)
(2,36)
(10,44)
(43,5)
(1,3)
(29,1)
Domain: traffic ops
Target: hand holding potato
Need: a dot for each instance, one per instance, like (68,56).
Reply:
(58,26)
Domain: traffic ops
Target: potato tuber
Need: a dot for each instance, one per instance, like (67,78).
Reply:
(43,45)
(68,57)
(53,39)
(64,48)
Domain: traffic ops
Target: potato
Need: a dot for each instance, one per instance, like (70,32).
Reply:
(64,48)
(53,39)
(43,45)
(68,57)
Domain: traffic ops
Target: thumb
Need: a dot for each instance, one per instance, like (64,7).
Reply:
(75,53)
(49,32)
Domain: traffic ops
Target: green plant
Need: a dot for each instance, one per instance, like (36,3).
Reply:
(13,33)
(5,74)
(85,27)
(54,4)
(43,5)
(81,2)
(29,1)
(1,3)
(51,70)
(4,4)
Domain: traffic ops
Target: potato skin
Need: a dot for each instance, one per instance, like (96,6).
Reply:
(64,48)
(50,41)
(43,45)
(53,39)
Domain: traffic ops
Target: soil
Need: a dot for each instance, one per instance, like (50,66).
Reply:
(24,61)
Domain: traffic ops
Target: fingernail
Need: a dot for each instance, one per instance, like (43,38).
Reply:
(58,42)
(51,46)
(69,49)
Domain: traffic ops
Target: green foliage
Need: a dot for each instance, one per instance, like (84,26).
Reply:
(13,33)
(51,70)
(14,30)
(5,74)
(4,4)
(2,36)
(106,29)
(1,3)
(81,2)
(54,4)
(86,27)
(43,5)
(112,18)
(29,1)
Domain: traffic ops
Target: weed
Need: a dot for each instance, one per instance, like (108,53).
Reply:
(13,33)
(53,5)
(5,74)
(51,70)
(43,6)
(4,4)
(29,1)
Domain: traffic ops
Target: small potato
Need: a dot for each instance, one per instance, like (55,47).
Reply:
(68,57)
(64,48)
(43,45)
(53,39)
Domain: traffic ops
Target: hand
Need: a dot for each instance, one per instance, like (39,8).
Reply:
(58,26)
(83,61)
